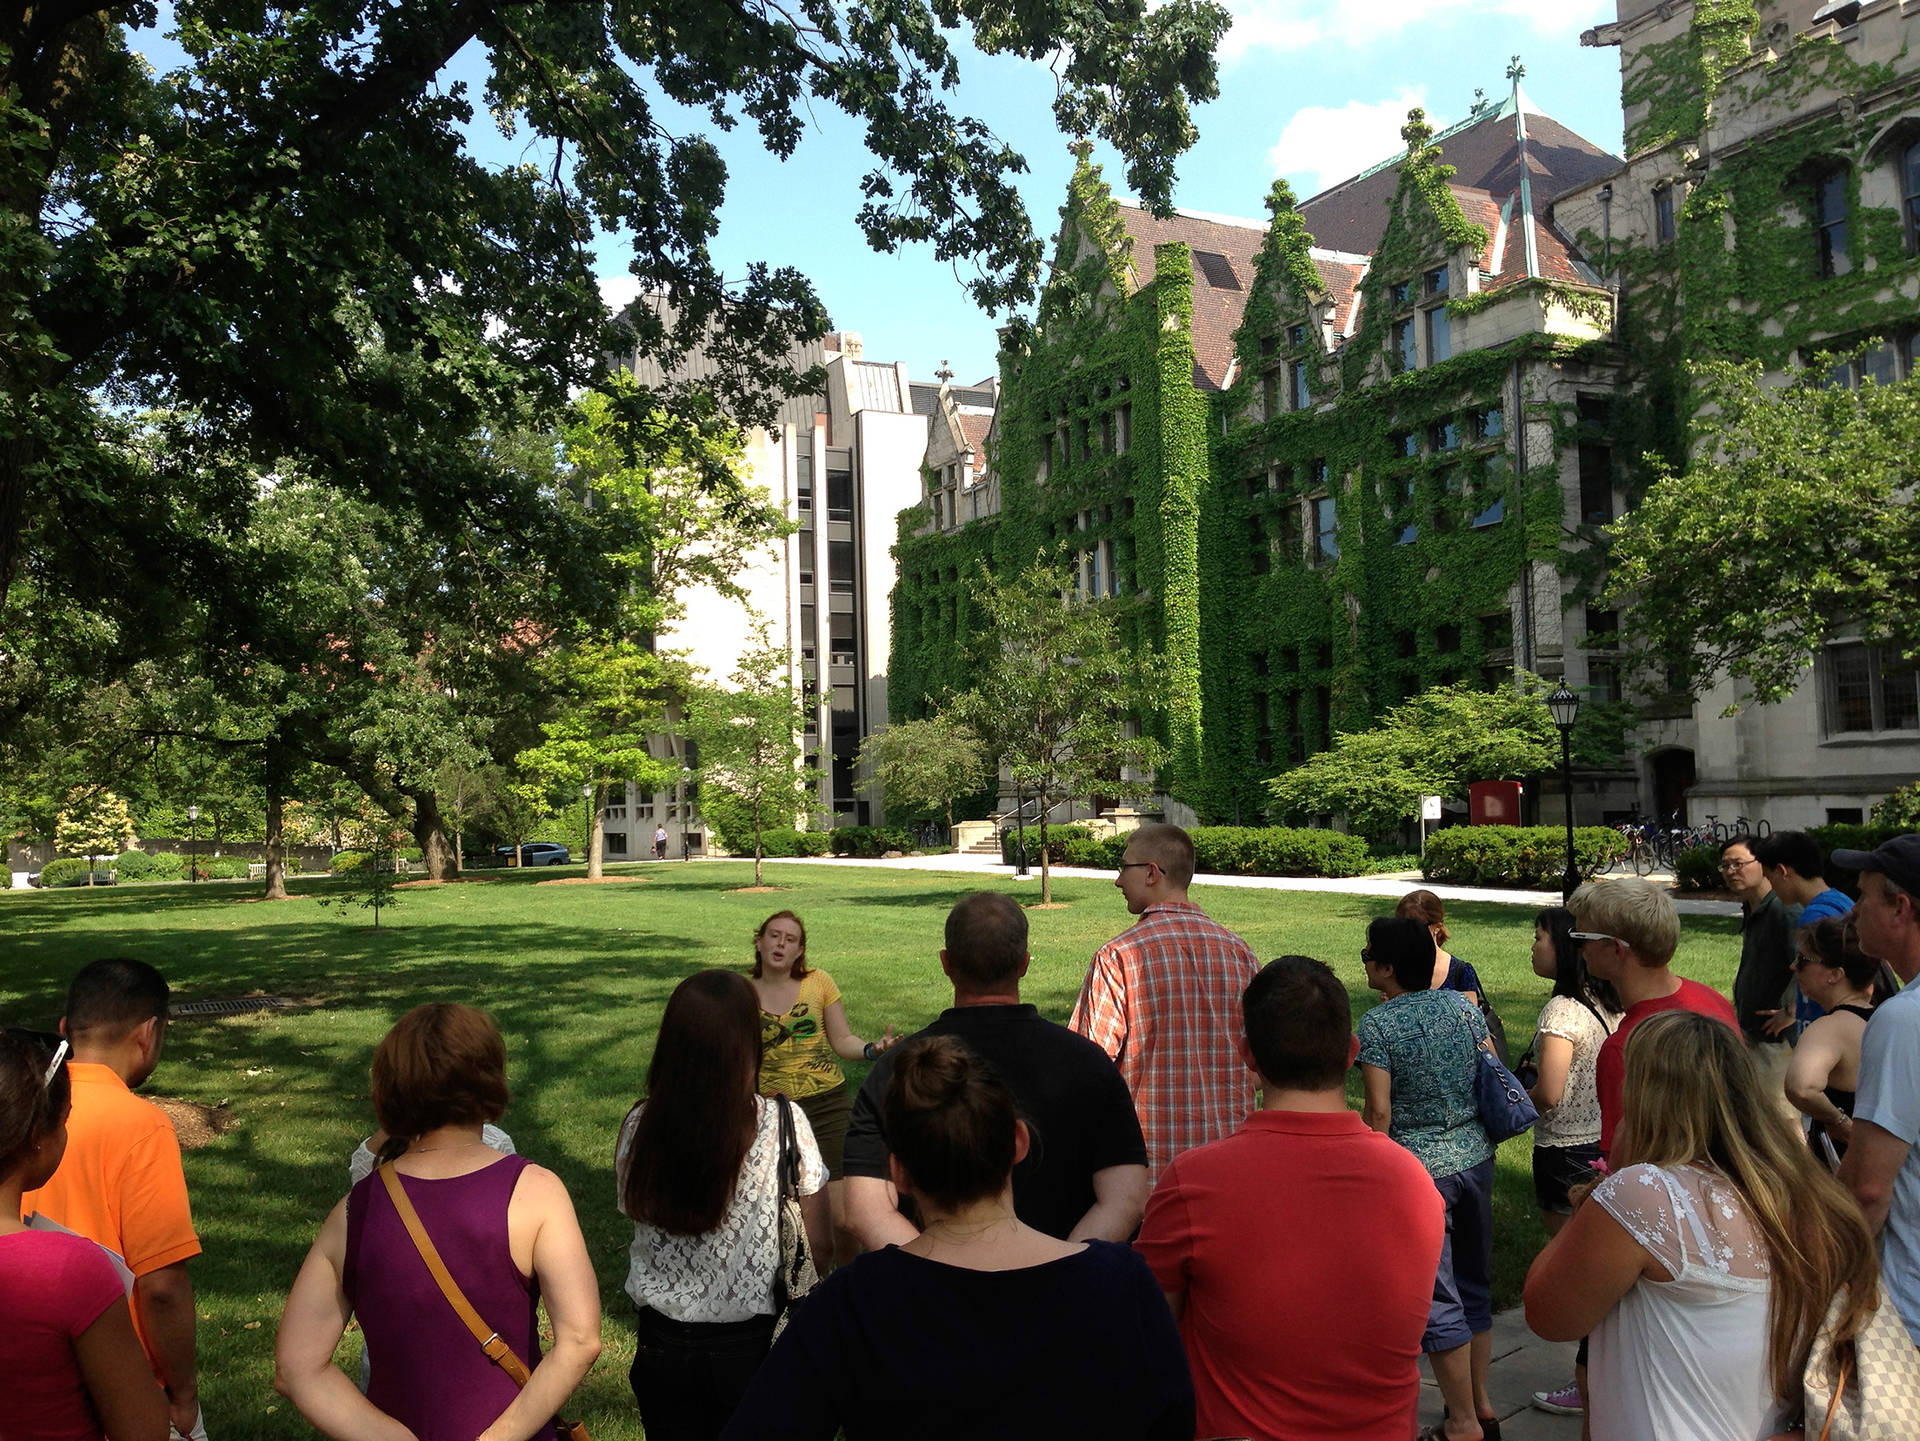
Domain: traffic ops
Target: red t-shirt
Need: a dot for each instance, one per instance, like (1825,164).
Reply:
(1306,1245)
(1610,1069)
(52,1288)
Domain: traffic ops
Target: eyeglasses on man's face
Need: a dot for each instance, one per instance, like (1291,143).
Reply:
(1730,863)
(1130,865)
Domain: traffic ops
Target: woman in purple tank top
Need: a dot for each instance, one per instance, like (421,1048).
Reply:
(505,1229)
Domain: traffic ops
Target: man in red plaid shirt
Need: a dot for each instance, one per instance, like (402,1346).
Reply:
(1163,999)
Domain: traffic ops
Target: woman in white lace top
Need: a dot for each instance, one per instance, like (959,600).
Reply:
(697,1166)
(1705,1262)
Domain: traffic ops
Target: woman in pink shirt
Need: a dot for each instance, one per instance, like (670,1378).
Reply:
(74,1371)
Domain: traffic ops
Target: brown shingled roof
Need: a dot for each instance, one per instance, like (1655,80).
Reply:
(1216,309)
(1486,157)
(1341,277)
(973,429)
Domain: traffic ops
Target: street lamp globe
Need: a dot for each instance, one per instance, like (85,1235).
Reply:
(1564,706)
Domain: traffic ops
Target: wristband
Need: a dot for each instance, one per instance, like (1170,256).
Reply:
(866,1050)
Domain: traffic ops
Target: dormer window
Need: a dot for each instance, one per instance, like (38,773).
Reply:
(1437,283)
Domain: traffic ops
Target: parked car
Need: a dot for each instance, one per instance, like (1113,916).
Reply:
(536,853)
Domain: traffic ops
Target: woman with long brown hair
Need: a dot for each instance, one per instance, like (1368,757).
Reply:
(1704,1264)
(697,1166)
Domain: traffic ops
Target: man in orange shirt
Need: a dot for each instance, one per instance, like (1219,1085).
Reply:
(121,1183)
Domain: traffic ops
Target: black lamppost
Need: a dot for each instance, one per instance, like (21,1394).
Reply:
(586,801)
(1564,706)
(193,837)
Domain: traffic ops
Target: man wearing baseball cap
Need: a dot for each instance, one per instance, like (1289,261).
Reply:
(1882,1168)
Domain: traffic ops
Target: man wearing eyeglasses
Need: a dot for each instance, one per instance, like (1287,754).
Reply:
(1628,930)
(121,1183)
(1765,977)
(1162,998)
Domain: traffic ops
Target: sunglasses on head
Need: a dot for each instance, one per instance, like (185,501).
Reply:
(56,1046)
(1593,936)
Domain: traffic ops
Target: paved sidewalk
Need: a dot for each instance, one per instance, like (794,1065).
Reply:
(1395,883)
(1522,1364)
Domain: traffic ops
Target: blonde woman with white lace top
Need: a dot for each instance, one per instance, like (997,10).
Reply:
(1703,1265)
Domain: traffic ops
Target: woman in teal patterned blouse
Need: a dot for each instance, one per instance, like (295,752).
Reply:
(1417,1059)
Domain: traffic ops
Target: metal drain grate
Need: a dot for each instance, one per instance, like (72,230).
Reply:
(238,1007)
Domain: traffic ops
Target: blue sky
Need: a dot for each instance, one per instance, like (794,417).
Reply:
(1310,89)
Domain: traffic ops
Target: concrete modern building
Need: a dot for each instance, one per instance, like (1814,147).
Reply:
(840,464)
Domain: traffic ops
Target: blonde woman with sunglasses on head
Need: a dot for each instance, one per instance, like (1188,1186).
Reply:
(74,1370)
(1704,1264)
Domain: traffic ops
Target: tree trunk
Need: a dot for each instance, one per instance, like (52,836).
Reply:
(430,834)
(596,835)
(952,844)
(276,844)
(1046,871)
(677,748)
(459,861)
(757,852)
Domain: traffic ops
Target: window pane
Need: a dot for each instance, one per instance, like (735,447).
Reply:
(1900,694)
(806,556)
(1437,281)
(1326,542)
(1852,668)
(1302,397)
(1878,365)
(1403,346)
(1439,335)
(840,565)
(1492,423)
(1400,296)
(1663,213)
(1296,335)
(840,494)
(1444,435)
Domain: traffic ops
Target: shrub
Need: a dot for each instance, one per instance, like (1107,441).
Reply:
(224,868)
(870,841)
(786,841)
(64,871)
(168,866)
(1901,809)
(1058,838)
(133,866)
(6,874)
(1244,851)
(1531,857)
(1851,838)
(1100,855)
(1697,868)
(344,861)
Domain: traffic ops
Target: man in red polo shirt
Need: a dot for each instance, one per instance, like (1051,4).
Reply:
(1299,1253)
(1628,931)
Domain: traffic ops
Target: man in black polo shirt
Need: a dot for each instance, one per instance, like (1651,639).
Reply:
(1086,1176)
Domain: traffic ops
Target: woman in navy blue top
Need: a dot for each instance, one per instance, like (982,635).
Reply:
(979,1326)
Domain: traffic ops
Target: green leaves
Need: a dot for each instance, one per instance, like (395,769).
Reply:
(1794,520)
(927,764)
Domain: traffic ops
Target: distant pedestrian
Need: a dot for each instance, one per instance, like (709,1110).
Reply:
(1316,1342)
(1163,1000)
(659,843)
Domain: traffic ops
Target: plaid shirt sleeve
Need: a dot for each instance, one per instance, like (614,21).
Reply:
(1101,1012)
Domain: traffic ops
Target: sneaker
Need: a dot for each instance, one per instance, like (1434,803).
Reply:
(1564,1402)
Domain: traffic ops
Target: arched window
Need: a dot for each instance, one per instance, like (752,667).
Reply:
(1910,195)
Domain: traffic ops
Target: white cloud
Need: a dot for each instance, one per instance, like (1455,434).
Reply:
(619,291)
(1285,25)
(1324,144)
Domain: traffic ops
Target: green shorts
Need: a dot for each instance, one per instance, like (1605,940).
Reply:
(828,1114)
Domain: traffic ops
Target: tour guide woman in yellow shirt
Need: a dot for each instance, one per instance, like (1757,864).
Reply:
(803,1027)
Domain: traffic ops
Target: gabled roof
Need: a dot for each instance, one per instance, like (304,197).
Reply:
(1340,276)
(973,430)
(1504,260)
(1223,251)
(1484,151)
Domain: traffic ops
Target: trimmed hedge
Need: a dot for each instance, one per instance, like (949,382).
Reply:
(344,861)
(224,868)
(1246,851)
(1058,839)
(1697,868)
(785,841)
(65,871)
(1530,857)
(870,842)
(168,866)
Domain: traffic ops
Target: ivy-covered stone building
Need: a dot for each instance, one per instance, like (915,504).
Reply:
(1768,208)
(1319,476)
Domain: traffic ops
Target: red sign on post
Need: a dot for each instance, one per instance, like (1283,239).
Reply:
(1494,803)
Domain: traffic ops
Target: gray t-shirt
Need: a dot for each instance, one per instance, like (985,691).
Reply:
(1889,1096)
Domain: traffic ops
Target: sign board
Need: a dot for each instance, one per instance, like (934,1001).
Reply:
(1429,808)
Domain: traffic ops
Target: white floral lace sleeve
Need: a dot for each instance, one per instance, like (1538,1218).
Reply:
(1688,1218)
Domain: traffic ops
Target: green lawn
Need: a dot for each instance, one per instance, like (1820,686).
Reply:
(576,976)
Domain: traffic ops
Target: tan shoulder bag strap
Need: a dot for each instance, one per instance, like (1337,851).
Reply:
(498,1351)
